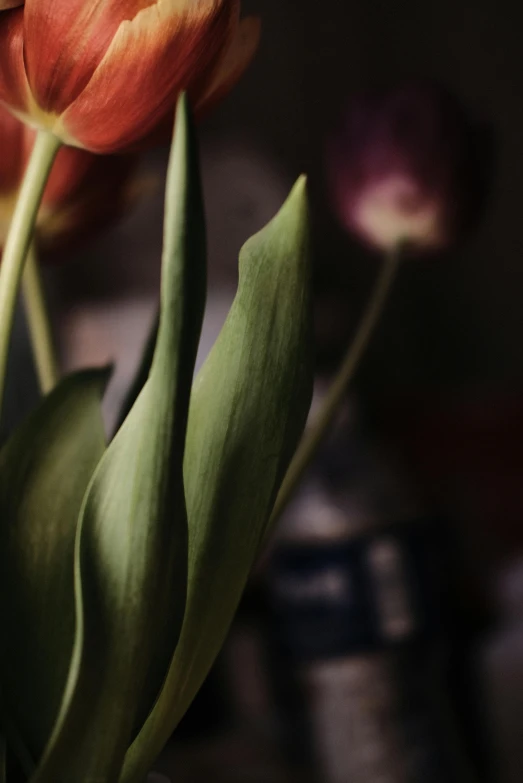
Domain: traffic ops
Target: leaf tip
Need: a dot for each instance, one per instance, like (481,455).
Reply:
(182,119)
(182,104)
(297,202)
(300,187)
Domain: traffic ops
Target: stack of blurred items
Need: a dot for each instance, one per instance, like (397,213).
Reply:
(362,594)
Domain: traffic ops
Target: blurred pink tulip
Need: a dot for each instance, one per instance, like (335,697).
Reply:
(408,167)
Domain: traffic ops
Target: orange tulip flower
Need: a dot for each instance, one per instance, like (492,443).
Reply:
(84,192)
(101,75)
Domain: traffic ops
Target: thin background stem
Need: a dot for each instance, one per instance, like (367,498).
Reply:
(39,324)
(313,438)
(19,236)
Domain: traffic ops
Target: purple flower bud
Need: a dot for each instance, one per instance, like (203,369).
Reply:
(409,167)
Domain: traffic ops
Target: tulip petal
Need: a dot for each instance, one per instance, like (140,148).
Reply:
(6,4)
(233,64)
(65,41)
(11,164)
(14,89)
(150,60)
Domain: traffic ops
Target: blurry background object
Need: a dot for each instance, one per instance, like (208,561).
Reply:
(408,175)
(408,168)
(362,589)
(464,449)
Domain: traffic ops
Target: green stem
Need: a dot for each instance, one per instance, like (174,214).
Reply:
(313,438)
(19,237)
(39,324)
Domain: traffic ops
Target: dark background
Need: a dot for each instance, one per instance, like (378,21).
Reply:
(444,371)
(453,320)
(456,319)
(445,367)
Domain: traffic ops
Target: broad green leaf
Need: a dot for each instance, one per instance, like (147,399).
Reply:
(45,468)
(131,553)
(248,409)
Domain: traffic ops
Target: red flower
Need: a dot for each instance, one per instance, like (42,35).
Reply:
(102,74)
(84,192)
(406,167)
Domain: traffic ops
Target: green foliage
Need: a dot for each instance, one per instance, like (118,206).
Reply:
(122,567)
(131,548)
(248,409)
(45,468)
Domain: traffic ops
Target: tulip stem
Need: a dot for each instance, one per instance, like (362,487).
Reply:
(312,439)
(19,236)
(39,324)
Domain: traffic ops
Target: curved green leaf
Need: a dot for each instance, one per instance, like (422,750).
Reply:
(45,468)
(131,553)
(248,410)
